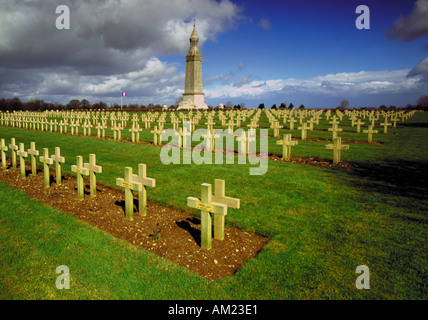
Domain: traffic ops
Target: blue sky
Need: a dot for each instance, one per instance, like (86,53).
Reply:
(306,39)
(305,52)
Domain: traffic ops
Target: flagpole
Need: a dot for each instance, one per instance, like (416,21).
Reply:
(121,97)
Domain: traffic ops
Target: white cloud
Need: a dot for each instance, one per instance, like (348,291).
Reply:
(345,83)
(265,24)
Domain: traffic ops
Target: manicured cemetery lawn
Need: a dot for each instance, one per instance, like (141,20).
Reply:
(323,224)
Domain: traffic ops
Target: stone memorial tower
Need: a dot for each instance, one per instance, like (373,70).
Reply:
(193,97)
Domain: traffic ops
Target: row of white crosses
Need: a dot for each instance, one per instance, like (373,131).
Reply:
(89,168)
(274,123)
(79,116)
(45,159)
(130,183)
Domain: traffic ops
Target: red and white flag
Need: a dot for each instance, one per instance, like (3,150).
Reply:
(124,94)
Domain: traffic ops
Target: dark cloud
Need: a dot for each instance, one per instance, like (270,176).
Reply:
(242,80)
(413,26)
(108,42)
(325,84)
(421,69)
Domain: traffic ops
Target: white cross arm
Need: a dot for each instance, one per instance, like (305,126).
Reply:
(22,153)
(341,147)
(94,168)
(149,182)
(33,152)
(76,169)
(46,160)
(135,186)
(214,207)
(228,201)
(58,158)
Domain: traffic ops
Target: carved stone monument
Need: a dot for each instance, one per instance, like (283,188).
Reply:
(193,97)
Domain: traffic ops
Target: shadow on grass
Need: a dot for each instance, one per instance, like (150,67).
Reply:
(414,125)
(398,178)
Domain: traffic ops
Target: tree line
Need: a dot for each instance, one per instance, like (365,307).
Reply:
(15,104)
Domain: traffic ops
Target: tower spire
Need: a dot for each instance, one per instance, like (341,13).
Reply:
(193,96)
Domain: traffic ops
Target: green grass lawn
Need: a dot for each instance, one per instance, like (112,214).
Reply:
(323,223)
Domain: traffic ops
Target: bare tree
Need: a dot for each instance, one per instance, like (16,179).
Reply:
(422,101)
(343,105)
(178,100)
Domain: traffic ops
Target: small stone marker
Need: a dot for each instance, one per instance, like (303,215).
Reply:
(206,206)
(46,162)
(93,168)
(370,132)
(58,160)
(80,171)
(3,148)
(33,154)
(129,186)
(219,196)
(145,182)
(13,147)
(286,143)
(22,155)
(337,146)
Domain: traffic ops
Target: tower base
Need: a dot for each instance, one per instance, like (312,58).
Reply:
(192,101)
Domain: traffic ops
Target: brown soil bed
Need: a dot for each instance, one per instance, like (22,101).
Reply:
(314,161)
(167,232)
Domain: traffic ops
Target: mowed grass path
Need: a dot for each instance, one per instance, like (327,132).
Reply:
(323,223)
